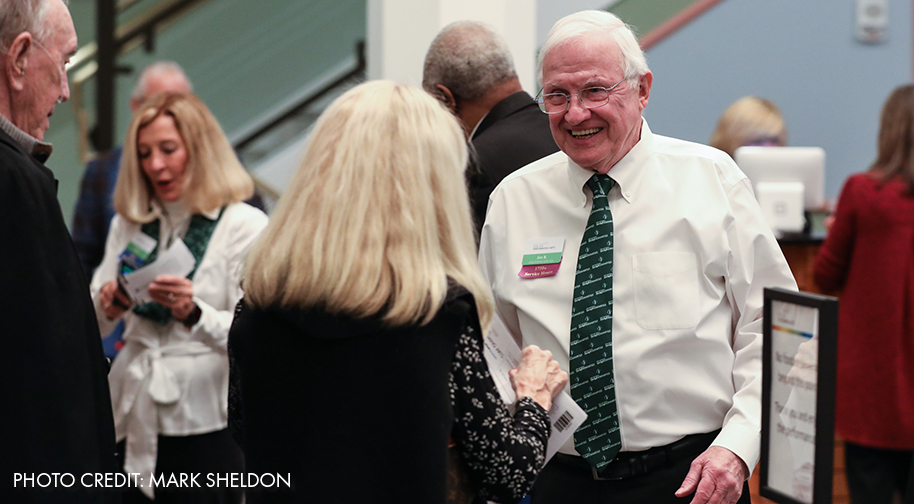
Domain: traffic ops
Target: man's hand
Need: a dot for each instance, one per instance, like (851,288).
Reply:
(716,477)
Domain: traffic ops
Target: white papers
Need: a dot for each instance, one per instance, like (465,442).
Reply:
(503,355)
(177,261)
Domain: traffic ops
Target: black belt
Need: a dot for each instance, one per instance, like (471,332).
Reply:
(627,464)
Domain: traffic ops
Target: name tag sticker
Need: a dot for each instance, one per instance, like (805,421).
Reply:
(542,257)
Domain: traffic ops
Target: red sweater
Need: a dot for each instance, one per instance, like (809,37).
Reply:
(869,252)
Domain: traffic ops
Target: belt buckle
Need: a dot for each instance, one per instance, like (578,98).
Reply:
(597,477)
(633,469)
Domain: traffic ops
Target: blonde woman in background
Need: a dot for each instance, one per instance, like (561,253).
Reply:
(358,346)
(179,179)
(749,121)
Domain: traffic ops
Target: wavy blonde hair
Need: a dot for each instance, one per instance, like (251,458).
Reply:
(748,120)
(376,219)
(213,175)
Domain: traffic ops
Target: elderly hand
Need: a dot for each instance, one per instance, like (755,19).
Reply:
(716,477)
(113,300)
(538,376)
(175,293)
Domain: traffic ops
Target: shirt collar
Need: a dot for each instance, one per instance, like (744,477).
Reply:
(34,147)
(628,172)
(158,210)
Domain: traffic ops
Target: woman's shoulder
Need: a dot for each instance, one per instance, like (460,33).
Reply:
(244,211)
(243,218)
(459,300)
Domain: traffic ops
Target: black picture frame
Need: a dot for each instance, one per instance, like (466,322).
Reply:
(827,309)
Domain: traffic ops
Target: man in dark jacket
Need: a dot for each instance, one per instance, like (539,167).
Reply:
(57,409)
(469,68)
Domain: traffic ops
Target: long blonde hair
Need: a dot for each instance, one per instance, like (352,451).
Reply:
(213,178)
(376,219)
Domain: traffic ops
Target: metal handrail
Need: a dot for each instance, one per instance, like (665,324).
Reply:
(294,110)
(84,65)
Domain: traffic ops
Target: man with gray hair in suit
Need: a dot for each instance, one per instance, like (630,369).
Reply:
(470,69)
(57,409)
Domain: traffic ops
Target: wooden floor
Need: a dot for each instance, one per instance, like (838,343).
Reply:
(839,482)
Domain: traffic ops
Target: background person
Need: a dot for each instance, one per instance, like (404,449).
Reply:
(749,121)
(656,308)
(358,347)
(470,69)
(56,408)
(868,253)
(179,179)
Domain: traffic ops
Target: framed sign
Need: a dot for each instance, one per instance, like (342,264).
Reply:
(798,397)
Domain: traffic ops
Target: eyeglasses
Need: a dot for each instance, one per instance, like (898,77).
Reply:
(592,97)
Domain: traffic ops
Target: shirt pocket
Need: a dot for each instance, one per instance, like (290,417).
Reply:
(666,290)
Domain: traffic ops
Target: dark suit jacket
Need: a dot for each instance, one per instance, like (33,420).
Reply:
(513,134)
(53,376)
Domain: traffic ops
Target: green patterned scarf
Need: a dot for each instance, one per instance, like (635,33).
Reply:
(197,238)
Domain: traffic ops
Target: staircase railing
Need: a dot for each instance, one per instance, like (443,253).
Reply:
(268,124)
(99,60)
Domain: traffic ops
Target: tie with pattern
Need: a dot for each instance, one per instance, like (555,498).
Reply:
(592,383)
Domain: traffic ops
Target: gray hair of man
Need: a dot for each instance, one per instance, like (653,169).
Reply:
(18,16)
(582,26)
(154,69)
(468,58)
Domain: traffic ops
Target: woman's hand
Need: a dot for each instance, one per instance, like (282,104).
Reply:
(175,293)
(538,376)
(113,300)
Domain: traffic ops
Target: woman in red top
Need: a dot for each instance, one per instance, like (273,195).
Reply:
(869,252)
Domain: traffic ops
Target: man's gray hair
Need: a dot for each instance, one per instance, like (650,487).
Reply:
(17,16)
(581,27)
(154,69)
(468,58)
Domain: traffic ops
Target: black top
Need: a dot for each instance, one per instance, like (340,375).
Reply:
(513,134)
(359,412)
(56,404)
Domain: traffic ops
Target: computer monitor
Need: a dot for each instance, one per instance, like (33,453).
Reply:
(786,181)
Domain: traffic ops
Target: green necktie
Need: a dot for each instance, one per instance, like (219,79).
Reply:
(592,383)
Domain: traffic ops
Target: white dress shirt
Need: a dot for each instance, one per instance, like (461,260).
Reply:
(169,379)
(692,255)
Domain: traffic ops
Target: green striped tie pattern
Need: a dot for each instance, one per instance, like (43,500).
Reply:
(592,382)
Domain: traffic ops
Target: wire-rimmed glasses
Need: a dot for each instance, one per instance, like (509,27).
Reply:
(592,97)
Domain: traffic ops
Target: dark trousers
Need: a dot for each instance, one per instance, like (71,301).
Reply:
(214,452)
(875,474)
(560,483)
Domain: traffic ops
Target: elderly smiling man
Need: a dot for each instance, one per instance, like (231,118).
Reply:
(57,409)
(639,261)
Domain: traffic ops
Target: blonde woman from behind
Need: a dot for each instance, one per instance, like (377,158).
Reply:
(358,346)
